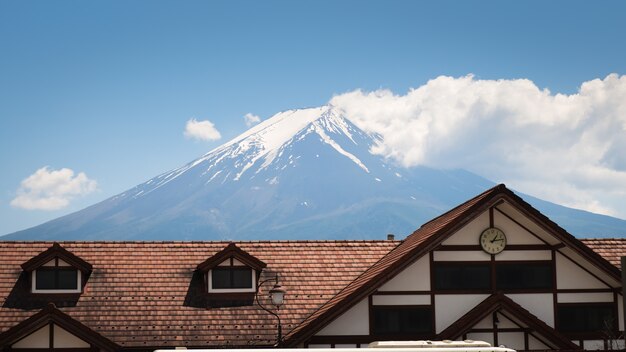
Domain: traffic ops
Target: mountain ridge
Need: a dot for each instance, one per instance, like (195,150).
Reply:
(301,174)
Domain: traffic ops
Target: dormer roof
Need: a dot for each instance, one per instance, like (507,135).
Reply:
(231,251)
(56,251)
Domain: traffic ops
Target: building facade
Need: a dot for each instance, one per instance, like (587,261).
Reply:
(492,269)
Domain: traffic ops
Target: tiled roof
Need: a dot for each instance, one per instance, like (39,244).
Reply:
(143,293)
(611,249)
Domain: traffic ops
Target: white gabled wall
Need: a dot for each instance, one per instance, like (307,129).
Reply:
(416,277)
(449,308)
(515,234)
(468,235)
(535,344)
(41,339)
(571,276)
(538,304)
(38,339)
(65,339)
(514,340)
(353,322)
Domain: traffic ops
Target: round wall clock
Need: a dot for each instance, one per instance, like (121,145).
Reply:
(493,240)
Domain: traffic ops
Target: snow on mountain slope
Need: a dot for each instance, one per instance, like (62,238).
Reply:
(300,174)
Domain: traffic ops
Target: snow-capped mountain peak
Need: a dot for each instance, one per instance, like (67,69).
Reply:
(259,147)
(305,173)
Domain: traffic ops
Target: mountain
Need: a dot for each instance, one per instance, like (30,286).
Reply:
(301,174)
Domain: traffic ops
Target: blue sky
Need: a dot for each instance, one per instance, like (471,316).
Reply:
(105,88)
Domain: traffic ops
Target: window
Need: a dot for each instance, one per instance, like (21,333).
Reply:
(402,320)
(56,280)
(586,317)
(462,276)
(532,276)
(232,279)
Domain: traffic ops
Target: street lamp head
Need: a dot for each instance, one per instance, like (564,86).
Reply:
(277,293)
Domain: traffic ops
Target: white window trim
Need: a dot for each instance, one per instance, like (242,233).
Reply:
(231,290)
(76,290)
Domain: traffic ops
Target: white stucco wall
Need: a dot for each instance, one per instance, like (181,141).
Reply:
(461,256)
(38,339)
(41,339)
(481,336)
(535,344)
(570,276)
(65,339)
(449,308)
(468,235)
(524,255)
(505,323)
(416,277)
(539,304)
(514,340)
(353,322)
(515,234)
(585,297)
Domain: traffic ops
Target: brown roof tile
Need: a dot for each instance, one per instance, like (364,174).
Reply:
(611,249)
(139,293)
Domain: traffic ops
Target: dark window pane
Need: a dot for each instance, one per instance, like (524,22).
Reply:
(462,276)
(44,280)
(586,318)
(242,278)
(67,279)
(402,320)
(221,278)
(524,276)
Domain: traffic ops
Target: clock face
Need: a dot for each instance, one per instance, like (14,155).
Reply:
(493,240)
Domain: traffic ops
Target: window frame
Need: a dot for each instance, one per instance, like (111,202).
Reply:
(79,276)
(251,289)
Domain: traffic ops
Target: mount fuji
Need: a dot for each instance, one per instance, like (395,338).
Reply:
(301,174)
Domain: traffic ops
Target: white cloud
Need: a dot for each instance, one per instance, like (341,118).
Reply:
(202,130)
(52,189)
(251,119)
(565,148)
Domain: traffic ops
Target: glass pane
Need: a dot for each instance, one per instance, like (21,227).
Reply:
(44,279)
(588,318)
(524,276)
(67,279)
(221,278)
(402,320)
(462,277)
(242,278)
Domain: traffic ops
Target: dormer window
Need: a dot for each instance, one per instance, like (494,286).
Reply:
(56,276)
(57,270)
(230,277)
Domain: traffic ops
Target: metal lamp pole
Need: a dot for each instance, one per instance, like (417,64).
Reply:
(277,294)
